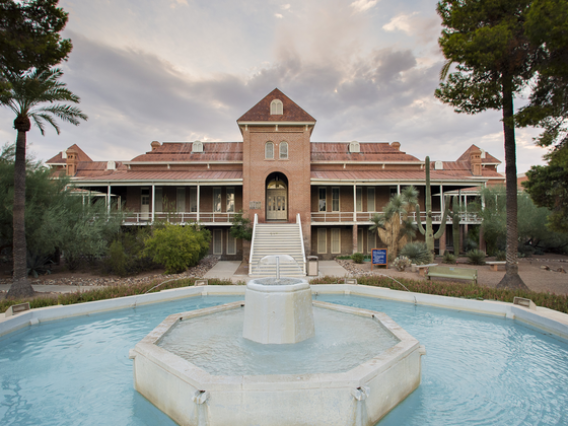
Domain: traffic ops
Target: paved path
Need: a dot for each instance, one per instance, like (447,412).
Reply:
(56,288)
(224,269)
(330,268)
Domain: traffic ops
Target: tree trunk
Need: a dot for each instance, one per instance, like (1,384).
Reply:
(511,278)
(21,286)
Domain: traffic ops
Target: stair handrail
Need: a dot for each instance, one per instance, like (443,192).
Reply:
(299,222)
(254,223)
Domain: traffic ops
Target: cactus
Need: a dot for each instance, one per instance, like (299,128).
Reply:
(455,215)
(428,231)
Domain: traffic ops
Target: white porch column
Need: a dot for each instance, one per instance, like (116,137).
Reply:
(153,201)
(108,199)
(198,201)
(398,189)
(355,202)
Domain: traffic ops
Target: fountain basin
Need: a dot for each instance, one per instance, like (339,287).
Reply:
(360,396)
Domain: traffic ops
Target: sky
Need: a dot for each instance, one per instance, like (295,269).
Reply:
(185,70)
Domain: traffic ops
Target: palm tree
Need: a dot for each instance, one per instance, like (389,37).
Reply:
(25,97)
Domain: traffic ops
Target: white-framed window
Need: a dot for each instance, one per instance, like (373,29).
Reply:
(217,241)
(371,200)
(217,200)
(371,241)
(359,199)
(193,199)
(322,200)
(354,147)
(158,203)
(359,240)
(276,107)
(269,151)
(335,199)
(230,200)
(322,240)
(231,243)
(197,146)
(145,196)
(336,240)
(283,148)
(180,199)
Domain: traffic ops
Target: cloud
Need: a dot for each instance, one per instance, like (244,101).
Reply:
(286,6)
(401,22)
(278,15)
(363,5)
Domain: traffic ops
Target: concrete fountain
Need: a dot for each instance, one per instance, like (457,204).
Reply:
(285,360)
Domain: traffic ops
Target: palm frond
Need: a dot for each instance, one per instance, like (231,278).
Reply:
(38,123)
(445,69)
(37,116)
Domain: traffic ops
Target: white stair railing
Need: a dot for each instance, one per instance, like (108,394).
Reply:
(299,222)
(254,223)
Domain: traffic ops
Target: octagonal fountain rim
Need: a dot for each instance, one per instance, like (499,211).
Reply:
(200,378)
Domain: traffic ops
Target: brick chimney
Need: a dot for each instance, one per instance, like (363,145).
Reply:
(72,161)
(396,145)
(155,145)
(475,160)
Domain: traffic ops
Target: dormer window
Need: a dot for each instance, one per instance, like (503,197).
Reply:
(197,146)
(276,107)
(283,150)
(354,147)
(269,151)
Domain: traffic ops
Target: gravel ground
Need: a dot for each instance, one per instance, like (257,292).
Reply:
(545,273)
(89,279)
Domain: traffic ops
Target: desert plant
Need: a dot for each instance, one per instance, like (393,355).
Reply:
(449,258)
(401,263)
(417,252)
(394,226)
(476,257)
(241,228)
(358,257)
(428,230)
(178,247)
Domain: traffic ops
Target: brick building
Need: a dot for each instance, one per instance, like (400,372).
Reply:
(277,175)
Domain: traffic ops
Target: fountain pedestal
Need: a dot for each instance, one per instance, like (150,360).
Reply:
(278,311)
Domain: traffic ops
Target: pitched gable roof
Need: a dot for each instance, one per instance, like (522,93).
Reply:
(81,156)
(488,157)
(261,111)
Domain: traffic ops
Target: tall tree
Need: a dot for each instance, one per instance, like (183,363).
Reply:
(25,98)
(488,41)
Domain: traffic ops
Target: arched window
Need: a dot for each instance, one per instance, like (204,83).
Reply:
(354,147)
(197,146)
(283,150)
(269,151)
(276,107)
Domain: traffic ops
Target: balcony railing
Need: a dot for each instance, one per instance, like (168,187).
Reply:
(347,217)
(144,218)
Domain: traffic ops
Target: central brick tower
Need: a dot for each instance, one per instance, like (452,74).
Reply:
(276,161)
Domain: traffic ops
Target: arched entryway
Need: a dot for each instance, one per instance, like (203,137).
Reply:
(276,197)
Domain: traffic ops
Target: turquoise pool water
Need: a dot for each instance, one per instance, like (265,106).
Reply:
(479,370)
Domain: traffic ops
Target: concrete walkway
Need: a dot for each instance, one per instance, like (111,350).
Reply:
(224,269)
(57,288)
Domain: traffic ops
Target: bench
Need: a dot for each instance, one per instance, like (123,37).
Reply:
(494,265)
(16,309)
(454,273)
(423,268)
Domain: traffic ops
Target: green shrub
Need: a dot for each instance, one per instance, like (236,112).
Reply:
(126,253)
(476,257)
(449,258)
(418,253)
(358,257)
(500,255)
(178,247)
(401,263)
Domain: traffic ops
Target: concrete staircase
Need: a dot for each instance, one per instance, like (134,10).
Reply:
(279,238)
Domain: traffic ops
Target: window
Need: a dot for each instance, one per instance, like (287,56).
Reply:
(217,200)
(180,199)
(283,150)
(269,151)
(322,201)
(197,146)
(276,107)
(145,200)
(336,240)
(393,190)
(334,199)
(193,199)
(359,199)
(217,241)
(322,240)
(231,244)
(359,240)
(158,201)
(230,200)
(354,147)
(371,199)
(371,241)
